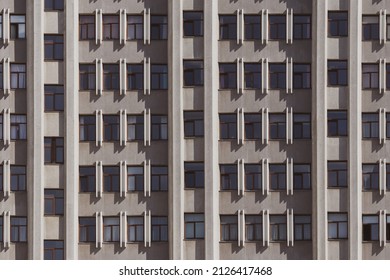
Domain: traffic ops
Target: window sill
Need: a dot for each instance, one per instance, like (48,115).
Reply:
(193,137)
(193,239)
(192,86)
(192,36)
(195,188)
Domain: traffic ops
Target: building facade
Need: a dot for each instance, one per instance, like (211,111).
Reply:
(191,129)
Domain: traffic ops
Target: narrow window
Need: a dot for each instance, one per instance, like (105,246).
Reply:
(277,173)
(253,177)
(18,178)
(18,229)
(87,76)
(277,126)
(87,229)
(135,229)
(18,127)
(111,229)
(370,228)
(87,178)
(302,27)
(227,76)
(54,47)
(18,75)
(193,72)
(254,227)
(277,75)
(278,225)
(111,127)
(337,24)
(87,128)
(110,76)
(277,27)
(135,27)
(54,202)
(135,127)
(54,98)
(370,174)
(252,27)
(337,73)
(110,27)
(302,227)
(370,123)
(252,75)
(193,124)
(111,178)
(159,79)
(159,229)
(370,30)
(337,123)
(228,176)
(87,27)
(302,76)
(18,26)
(135,76)
(370,75)
(302,176)
(54,150)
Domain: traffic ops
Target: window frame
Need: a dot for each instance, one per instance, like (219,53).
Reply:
(337,22)
(18,127)
(195,224)
(194,169)
(277,27)
(194,74)
(227,75)
(161,227)
(337,171)
(57,199)
(20,176)
(161,177)
(135,78)
(87,76)
(277,176)
(277,76)
(17,26)
(55,94)
(301,27)
(303,126)
(193,124)
(302,76)
(159,129)
(137,177)
(193,23)
(302,175)
(370,176)
(253,223)
(136,223)
(161,27)
(252,76)
(373,32)
(114,229)
(338,225)
(231,226)
(135,125)
(87,130)
(336,122)
(53,149)
(90,187)
(56,47)
(373,77)
(159,76)
(54,250)
(229,28)
(18,76)
(87,228)
(111,128)
(279,226)
(113,27)
(275,122)
(111,77)
(86,27)
(371,125)
(338,72)
(253,174)
(371,227)
(135,27)
(231,175)
(229,124)
(302,225)
(110,178)
(21,230)
(251,25)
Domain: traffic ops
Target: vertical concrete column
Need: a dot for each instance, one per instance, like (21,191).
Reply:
(319,121)
(71,131)
(35,127)
(176,134)
(211,129)
(355,129)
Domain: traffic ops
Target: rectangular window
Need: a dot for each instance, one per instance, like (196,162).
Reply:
(253,177)
(87,128)
(111,178)
(252,75)
(370,123)
(193,124)
(277,173)
(159,229)
(54,150)
(18,75)
(54,98)
(227,126)
(54,5)
(388,228)
(135,27)
(87,229)
(227,27)
(252,27)
(135,229)
(302,75)
(1,27)
(337,73)
(18,229)
(388,177)
(159,27)
(194,226)
(18,178)
(110,76)
(193,73)
(302,126)
(302,176)
(228,176)
(54,202)
(159,178)
(252,126)
(227,76)
(278,225)
(54,250)
(277,126)
(277,27)
(302,27)
(229,228)
(135,76)
(370,75)
(159,73)
(135,127)
(54,47)
(337,174)
(277,75)
(1,126)
(18,127)
(370,29)
(111,127)
(302,227)
(253,227)
(111,229)
(159,127)
(388,38)
(87,178)
(370,228)
(337,225)
(194,175)
(193,24)
(1,72)
(337,123)
(135,178)
(18,26)
(87,76)
(110,27)
(1,226)
(337,24)
(387,125)
(370,173)
(1,178)
(87,27)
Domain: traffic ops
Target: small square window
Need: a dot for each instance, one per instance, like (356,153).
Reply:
(54,250)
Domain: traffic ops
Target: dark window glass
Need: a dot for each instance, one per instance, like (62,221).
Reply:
(337,174)
(159,27)
(370,75)
(111,178)
(302,75)
(54,98)
(388,177)
(193,124)
(160,229)
(387,125)
(302,227)
(159,178)
(193,24)
(18,75)
(1,126)
(388,74)
(302,27)
(1,27)
(159,127)
(227,126)
(135,127)
(110,27)
(18,178)
(229,228)
(302,126)
(388,38)
(111,230)
(193,72)
(370,174)
(1,70)
(87,229)
(194,174)
(87,76)
(370,30)
(159,77)
(111,127)
(337,24)
(1,224)
(277,75)
(54,150)
(54,250)
(54,5)
(253,177)
(227,76)
(87,178)
(17,26)
(337,123)
(87,27)
(252,27)
(18,229)
(278,225)
(54,202)
(135,229)
(370,125)
(254,227)
(87,128)
(252,126)
(277,27)
(302,177)
(252,75)
(54,47)
(277,126)
(135,27)
(227,27)
(135,178)
(337,73)
(135,76)
(370,228)
(277,173)
(110,76)
(18,127)
(337,226)
(194,226)
(388,216)
(228,176)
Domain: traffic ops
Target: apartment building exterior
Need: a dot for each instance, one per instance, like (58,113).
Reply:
(191,129)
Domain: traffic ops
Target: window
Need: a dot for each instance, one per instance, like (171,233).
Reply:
(388,36)
(337,24)
(1,178)
(54,250)
(18,178)
(54,5)
(193,124)
(370,122)
(111,127)
(54,150)
(110,76)
(135,178)
(337,226)
(135,127)
(18,75)
(87,128)
(277,75)
(87,229)
(87,27)
(87,181)
(302,227)
(18,229)
(277,173)
(337,73)
(254,227)
(227,126)
(337,123)
(54,98)
(370,175)
(111,178)
(159,178)
(388,74)
(252,27)
(135,76)
(228,176)
(1,126)
(18,127)
(18,26)
(54,202)
(159,127)
(135,27)
(1,27)
(387,125)
(252,126)
(302,126)
(135,229)
(302,27)
(278,224)
(229,228)
(252,75)
(388,228)
(302,176)
(277,126)
(87,76)
(227,27)
(193,24)
(227,76)
(111,229)
(277,27)
(54,47)
(302,76)
(253,177)
(370,28)
(159,229)
(370,72)
(193,72)
(194,226)
(370,228)
(337,174)
(388,177)
(1,223)
(194,174)
(1,68)
(110,27)
(159,78)
(159,27)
